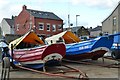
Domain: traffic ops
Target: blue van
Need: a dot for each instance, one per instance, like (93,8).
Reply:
(116,48)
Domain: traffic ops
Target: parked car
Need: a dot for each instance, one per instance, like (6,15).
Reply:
(116,48)
(84,38)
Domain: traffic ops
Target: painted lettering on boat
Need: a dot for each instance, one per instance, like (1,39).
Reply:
(83,47)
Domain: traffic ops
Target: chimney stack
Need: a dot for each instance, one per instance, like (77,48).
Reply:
(24,7)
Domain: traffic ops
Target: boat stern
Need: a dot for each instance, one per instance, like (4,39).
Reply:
(54,52)
(53,56)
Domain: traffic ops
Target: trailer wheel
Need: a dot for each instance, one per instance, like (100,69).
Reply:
(115,55)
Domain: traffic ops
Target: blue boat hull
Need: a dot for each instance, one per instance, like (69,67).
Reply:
(39,66)
(92,49)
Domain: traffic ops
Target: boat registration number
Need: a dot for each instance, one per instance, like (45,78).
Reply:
(83,47)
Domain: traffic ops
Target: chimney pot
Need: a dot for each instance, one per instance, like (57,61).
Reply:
(24,7)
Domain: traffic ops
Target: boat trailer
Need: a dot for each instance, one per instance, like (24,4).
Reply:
(113,65)
(61,72)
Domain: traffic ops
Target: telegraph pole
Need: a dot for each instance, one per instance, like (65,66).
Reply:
(76,23)
(69,21)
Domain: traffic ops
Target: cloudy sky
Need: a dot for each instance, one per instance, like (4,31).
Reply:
(92,12)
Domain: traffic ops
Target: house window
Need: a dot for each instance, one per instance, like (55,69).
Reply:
(106,33)
(114,21)
(17,27)
(53,27)
(41,26)
(48,27)
(59,27)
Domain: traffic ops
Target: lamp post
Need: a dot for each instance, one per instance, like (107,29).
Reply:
(76,22)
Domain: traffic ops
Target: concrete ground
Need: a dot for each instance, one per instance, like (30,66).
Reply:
(93,71)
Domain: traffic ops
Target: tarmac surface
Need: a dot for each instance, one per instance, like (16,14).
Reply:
(93,69)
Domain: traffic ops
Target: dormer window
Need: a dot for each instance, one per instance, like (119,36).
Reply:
(46,14)
(34,12)
(40,13)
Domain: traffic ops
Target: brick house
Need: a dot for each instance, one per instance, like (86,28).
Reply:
(43,23)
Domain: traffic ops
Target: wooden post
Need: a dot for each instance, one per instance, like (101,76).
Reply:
(12,55)
(12,52)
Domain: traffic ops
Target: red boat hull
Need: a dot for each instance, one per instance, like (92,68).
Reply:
(40,55)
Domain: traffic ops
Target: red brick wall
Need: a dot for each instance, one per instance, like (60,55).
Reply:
(51,22)
(23,19)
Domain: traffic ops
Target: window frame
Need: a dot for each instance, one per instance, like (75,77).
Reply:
(59,25)
(41,26)
(17,26)
(47,26)
(114,21)
(54,26)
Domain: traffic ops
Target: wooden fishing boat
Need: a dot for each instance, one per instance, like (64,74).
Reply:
(91,49)
(30,51)
(78,50)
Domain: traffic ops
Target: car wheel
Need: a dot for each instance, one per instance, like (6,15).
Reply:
(115,55)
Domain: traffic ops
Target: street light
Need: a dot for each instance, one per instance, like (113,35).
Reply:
(76,22)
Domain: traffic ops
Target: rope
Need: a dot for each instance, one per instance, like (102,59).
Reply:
(81,76)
